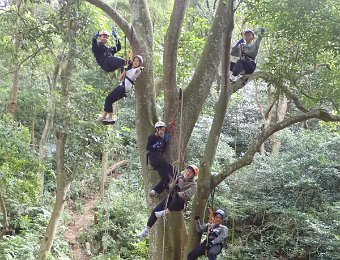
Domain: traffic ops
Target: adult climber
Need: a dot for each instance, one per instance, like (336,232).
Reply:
(127,80)
(181,191)
(246,50)
(217,233)
(156,146)
(105,54)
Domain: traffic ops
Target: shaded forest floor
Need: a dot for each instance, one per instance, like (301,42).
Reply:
(77,223)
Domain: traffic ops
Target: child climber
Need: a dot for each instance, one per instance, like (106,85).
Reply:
(216,234)
(247,51)
(181,191)
(157,143)
(127,80)
(105,54)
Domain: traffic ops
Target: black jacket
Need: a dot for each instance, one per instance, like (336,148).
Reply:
(102,52)
(153,153)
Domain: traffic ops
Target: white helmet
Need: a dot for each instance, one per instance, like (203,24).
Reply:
(104,32)
(140,58)
(160,124)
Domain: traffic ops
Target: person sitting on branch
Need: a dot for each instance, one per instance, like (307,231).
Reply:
(127,80)
(105,54)
(157,143)
(217,233)
(246,50)
(181,191)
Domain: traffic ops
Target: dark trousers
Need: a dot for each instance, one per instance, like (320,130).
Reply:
(175,203)
(115,95)
(112,63)
(248,66)
(165,171)
(200,250)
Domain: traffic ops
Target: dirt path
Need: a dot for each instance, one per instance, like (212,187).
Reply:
(78,222)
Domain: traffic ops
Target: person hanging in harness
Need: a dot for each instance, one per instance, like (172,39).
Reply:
(246,50)
(127,80)
(156,146)
(217,233)
(181,191)
(105,54)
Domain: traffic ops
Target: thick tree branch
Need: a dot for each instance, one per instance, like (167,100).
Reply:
(199,87)
(247,158)
(171,41)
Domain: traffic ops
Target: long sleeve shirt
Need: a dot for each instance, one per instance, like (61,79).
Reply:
(186,187)
(129,78)
(216,234)
(247,51)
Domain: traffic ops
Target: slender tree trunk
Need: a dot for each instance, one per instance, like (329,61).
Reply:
(48,126)
(266,115)
(105,157)
(63,185)
(15,86)
(4,216)
(281,112)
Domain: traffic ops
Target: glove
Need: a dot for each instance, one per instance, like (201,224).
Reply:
(209,245)
(157,145)
(197,217)
(262,30)
(114,33)
(177,188)
(96,35)
(239,42)
(166,137)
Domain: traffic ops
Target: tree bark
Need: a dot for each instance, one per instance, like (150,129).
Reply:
(62,188)
(280,115)
(4,216)
(205,177)
(266,115)
(48,125)
(15,86)
(63,178)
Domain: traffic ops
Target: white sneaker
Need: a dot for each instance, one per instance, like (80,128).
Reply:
(234,78)
(144,233)
(161,213)
(153,194)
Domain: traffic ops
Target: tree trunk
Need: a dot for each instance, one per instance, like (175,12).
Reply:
(281,112)
(105,157)
(63,185)
(266,115)
(48,125)
(205,181)
(4,216)
(15,86)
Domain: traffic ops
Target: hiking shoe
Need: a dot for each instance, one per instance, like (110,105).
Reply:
(153,194)
(234,78)
(144,233)
(161,213)
(108,120)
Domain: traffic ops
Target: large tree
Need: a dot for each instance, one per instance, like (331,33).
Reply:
(139,32)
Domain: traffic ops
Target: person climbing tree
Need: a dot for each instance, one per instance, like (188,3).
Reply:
(105,55)
(127,80)
(181,191)
(216,235)
(246,50)
(157,143)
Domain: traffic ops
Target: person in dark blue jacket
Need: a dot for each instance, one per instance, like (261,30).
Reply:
(156,146)
(105,54)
